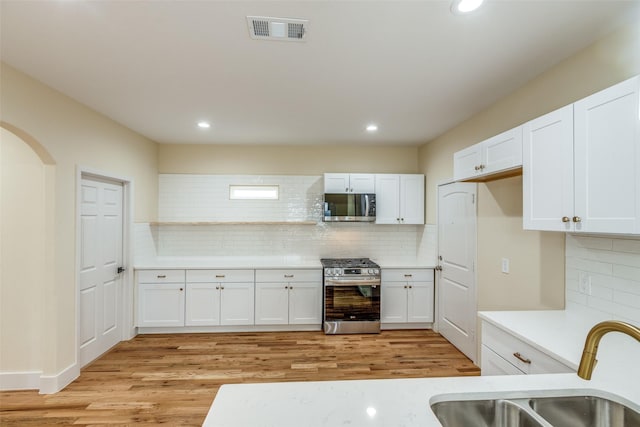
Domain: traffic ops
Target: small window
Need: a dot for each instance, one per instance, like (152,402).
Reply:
(254,192)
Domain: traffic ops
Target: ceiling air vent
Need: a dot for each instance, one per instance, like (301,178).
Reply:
(285,29)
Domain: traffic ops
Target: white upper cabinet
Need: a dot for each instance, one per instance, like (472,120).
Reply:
(497,155)
(357,183)
(581,165)
(547,172)
(399,199)
(607,160)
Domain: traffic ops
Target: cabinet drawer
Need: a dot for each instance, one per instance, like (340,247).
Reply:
(530,360)
(493,364)
(219,276)
(160,276)
(406,275)
(289,275)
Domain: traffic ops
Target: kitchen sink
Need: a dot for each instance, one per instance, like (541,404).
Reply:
(484,413)
(584,411)
(588,410)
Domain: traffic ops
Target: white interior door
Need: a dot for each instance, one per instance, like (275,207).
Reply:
(100,256)
(457,308)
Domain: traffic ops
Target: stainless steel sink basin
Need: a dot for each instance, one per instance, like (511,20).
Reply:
(522,410)
(585,411)
(483,413)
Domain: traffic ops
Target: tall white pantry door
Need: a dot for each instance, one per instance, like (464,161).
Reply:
(101,212)
(457,306)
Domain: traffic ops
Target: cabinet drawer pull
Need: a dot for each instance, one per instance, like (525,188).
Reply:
(162,276)
(220,276)
(521,358)
(288,276)
(408,275)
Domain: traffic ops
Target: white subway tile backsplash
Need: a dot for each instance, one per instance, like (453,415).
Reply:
(626,272)
(205,198)
(622,245)
(612,265)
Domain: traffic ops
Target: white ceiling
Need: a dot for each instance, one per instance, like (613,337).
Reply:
(412,67)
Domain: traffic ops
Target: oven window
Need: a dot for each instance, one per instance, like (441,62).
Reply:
(352,303)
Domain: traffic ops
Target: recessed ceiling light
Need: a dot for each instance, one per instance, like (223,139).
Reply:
(372,127)
(204,125)
(460,7)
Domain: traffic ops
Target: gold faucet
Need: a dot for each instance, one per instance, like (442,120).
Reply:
(588,360)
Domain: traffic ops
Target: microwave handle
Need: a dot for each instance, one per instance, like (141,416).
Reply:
(366,205)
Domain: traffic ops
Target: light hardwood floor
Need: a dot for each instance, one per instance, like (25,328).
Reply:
(172,379)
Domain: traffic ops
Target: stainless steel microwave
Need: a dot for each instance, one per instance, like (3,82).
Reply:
(349,207)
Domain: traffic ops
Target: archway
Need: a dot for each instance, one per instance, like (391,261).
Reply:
(26,255)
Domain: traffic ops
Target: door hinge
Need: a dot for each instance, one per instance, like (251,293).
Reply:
(473,199)
(121,270)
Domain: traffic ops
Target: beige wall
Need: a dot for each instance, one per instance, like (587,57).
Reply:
(74,136)
(285,160)
(537,259)
(22,223)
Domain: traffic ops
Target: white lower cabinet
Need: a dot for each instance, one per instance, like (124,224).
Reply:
(219,297)
(237,298)
(406,296)
(288,297)
(505,354)
(160,299)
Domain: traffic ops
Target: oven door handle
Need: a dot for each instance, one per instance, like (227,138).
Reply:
(375,282)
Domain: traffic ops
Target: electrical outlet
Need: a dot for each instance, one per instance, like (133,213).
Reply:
(584,283)
(505,265)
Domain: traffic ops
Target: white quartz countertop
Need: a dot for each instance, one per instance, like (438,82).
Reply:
(406,402)
(558,333)
(401,402)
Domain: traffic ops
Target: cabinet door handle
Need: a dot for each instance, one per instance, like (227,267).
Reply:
(577,219)
(288,276)
(521,358)
(181,289)
(217,287)
(405,286)
(221,287)
(410,286)
(477,168)
(162,276)
(565,219)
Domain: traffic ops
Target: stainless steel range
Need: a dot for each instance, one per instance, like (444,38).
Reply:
(351,296)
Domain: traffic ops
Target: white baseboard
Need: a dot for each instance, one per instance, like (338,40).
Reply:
(54,383)
(390,326)
(238,328)
(29,380)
